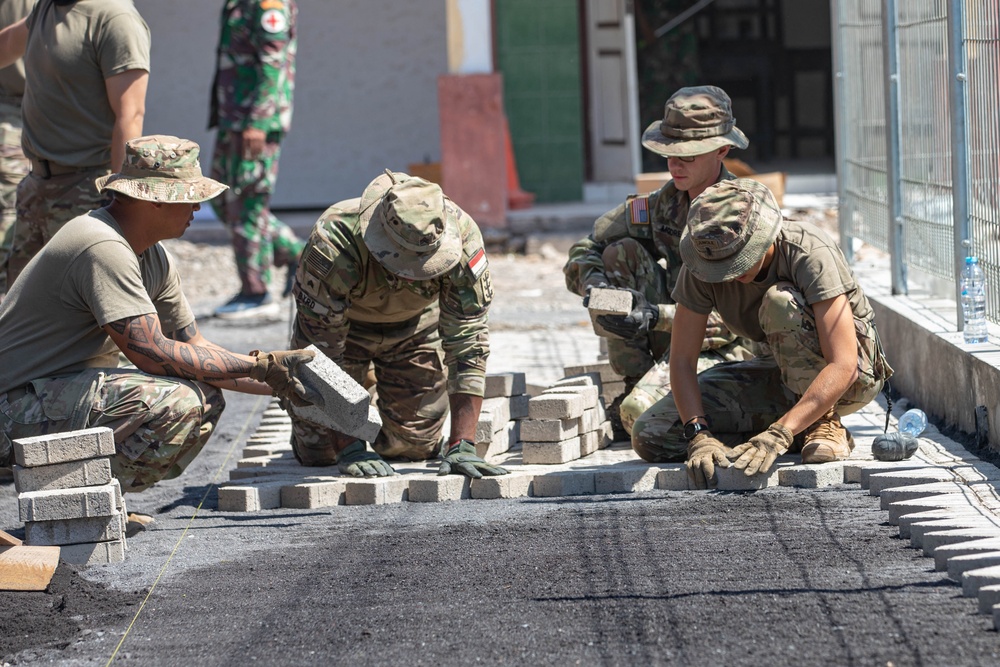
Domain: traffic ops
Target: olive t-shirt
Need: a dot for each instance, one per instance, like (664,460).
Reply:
(804,255)
(72,48)
(85,277)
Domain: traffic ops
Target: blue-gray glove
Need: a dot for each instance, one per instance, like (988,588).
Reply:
(355,460)
(461,458)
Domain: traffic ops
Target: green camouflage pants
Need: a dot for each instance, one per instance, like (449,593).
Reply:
(743,398)
(44,205)
(411,386)
(644,363)
(13,168)
(260,240)
(160,424)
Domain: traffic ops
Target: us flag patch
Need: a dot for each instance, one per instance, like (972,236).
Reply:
(638,211)
(478,263)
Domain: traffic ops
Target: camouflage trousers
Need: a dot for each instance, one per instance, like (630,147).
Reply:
(410,387)
(13,168)
(44,205)
(741,399)
(160,424)
(260,240)
(643,362)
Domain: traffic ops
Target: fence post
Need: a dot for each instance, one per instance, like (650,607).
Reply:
(840,132)
(957,90)
(890,54)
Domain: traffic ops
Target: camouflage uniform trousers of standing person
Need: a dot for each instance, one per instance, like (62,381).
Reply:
(13,168)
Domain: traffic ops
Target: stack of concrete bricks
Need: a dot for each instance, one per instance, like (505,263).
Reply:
(67,496)
(567,421)
(610,383)
(505,405)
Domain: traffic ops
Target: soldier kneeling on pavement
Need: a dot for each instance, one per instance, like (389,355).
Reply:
(782,283)
(398,281)
(104,287)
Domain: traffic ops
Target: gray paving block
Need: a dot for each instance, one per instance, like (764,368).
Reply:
(907,520)
(503,441)
(951,501)
(313,495)
(88,443)
(859,471)
(588,380)
(590,442)
(934,539)
(607,301)
(493,417)
(514,485)
(519,406)
(550,430)
(945,553)
(589,395)
(959,564)
(72,474)
(625,479)
(434,489)
(604,370)
(555,406)
(812,476)
(377,490)
(564,483)
(87,501)
(591,419)
(346,404)
(672,478)
(96,553)
(550,453)
(989,597)
(271,449)
(504,384)
(918,529)
(75,531)
(899,493)
(612,390)
(251,497)
(731,479)
(973,580)
(893,478)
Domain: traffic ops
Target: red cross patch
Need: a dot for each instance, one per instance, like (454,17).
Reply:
(273,21)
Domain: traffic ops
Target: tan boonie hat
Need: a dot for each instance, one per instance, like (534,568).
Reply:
(729,228)
(409,226)
(696,120)
(162,168)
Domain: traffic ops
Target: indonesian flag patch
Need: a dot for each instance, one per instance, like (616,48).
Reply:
(638,210)
(273,21)
(478,263)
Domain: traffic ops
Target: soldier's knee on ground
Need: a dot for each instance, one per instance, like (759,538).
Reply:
(632,407)
(656,444)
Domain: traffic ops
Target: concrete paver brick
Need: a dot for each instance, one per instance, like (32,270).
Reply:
(505,384)
(989,597)
(270,449)
(812,476)
(88,443)
(672,478)
(427,489)
(625,480)
(857,471)
(590,420)
(890,479)
(973,580)
(951,501)
(606,301)
(493,417)
(590,442)
(550,430)
(89,472)
(251,497)
(731,479)
(589,380)
(959,564)
(897,493)
(907,520)
(931,540)
(519,406)
(612,390)
(514,485)
(555,406)
(377,491)
(75,531)
(87,501)
(504,440)
(96,553)
(346,404)
(551,453)
(603,369)
(918,529)
(944,553)
(564,483)
(313,495)
(589,395)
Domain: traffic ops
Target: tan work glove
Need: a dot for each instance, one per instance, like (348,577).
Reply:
(758,455)
(704,453)
(277,369)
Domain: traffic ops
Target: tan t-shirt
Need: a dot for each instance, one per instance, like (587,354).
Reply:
(71,50)
(85,277)
(12,76)
(804,255)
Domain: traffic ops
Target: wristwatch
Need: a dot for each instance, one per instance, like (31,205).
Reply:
(693,427)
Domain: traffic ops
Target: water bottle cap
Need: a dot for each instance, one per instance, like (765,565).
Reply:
(972,259)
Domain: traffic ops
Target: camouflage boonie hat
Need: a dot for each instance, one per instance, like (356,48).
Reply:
(409,226)
(696,120)
(164,169)
(729,228)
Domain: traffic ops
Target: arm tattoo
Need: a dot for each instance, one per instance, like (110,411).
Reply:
(186,334)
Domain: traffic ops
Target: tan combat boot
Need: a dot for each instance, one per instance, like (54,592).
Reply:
(827,440)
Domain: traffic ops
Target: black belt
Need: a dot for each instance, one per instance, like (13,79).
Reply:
(46,169)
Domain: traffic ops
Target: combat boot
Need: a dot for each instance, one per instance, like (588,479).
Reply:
(827,440)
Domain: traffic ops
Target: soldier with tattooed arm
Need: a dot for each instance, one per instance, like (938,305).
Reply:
(104,287)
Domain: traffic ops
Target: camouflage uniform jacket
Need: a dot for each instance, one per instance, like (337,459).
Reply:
(340,283)
(656,220)
(255,70)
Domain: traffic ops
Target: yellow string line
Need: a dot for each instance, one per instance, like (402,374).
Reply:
(211,486)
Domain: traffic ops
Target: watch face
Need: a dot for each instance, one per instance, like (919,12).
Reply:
(692,429)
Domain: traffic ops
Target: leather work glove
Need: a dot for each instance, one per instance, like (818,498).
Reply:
(704,453)
(758,455)
(600,285)
(355,460)
(462,457)
(277,369)
(636,324)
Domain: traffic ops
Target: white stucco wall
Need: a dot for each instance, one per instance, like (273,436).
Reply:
(366,96)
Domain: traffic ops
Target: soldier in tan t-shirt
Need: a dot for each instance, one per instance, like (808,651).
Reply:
(104,286)
(786,285)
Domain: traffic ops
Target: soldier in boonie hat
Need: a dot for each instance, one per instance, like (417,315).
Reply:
(779,282)
(162,168)
(696,120)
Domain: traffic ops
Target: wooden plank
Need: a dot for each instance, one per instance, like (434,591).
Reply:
(24,568)
(8,540)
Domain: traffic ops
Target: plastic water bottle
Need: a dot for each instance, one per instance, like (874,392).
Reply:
(974,301)
(913,422)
